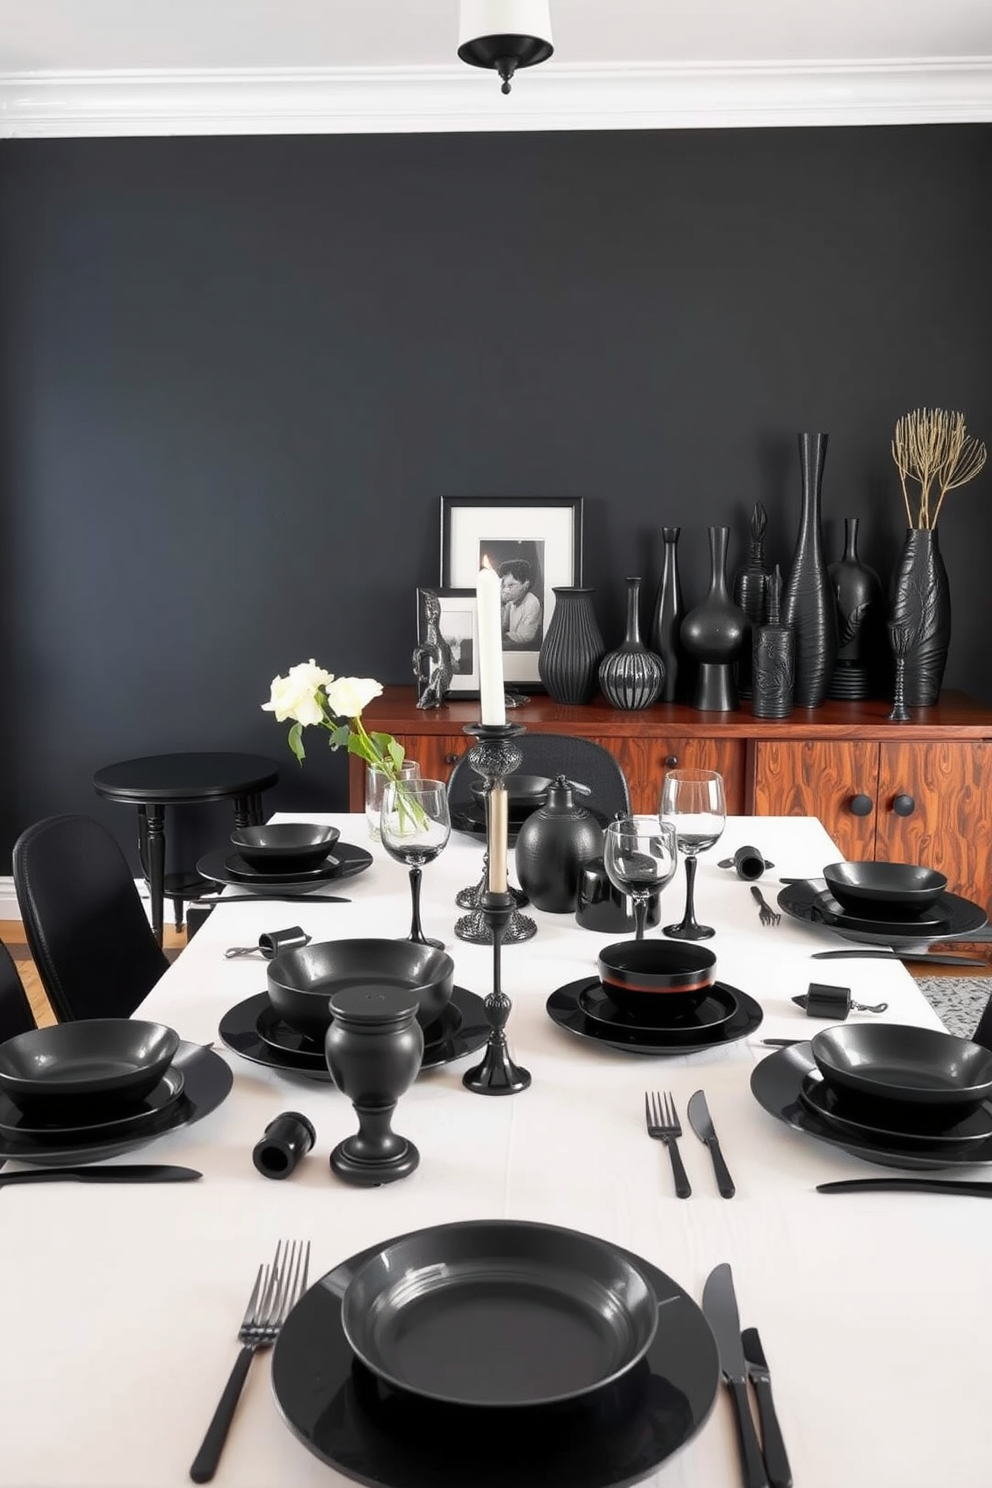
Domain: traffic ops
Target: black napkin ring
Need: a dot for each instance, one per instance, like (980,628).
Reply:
(274,941)
(287,1138)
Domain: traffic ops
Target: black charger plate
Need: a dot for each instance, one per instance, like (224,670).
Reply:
(207,1080)
(875,921)
(241,869)
(717,1007)
(348,862)
(565,1009)
(461,1029)
(777,1083)
(878,1120)
(381,1436)
(285,1039)
(959,916)
(472,819)
(95,1117)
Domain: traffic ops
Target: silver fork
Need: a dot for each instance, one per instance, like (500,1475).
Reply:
(277,1289)
(663,1124)
(766,914)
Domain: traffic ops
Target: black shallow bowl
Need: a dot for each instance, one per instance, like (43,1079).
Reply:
(522,791)
(898,1062)
(303,981)
(902,888)
(117,1058)
(647,977)
(285,846)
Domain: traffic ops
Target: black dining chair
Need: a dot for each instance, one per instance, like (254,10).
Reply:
(84,920)
(15,1010)
(582,760)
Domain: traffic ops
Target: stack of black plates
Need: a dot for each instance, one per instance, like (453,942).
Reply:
(949,916)
(279,873)
(495,1352)
(721,1015)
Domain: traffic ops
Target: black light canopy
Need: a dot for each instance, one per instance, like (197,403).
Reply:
(505,35)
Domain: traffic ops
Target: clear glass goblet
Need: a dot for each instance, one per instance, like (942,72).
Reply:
(415,824)
(693,801)
(640,856)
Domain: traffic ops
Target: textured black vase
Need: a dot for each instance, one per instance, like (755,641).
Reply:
(669,612)
(713,634)
(808,605)
(857,591)
(921,606)
(572,648)
(632,676)
(749,591)
(552,846)
(773,659)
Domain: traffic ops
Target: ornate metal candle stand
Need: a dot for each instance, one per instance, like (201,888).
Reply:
(494,757)
(497,1074)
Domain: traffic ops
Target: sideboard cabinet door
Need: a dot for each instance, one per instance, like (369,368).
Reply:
(834,779)
(646,761)
(935,808)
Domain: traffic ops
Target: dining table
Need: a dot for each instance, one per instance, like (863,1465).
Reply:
(121,1304)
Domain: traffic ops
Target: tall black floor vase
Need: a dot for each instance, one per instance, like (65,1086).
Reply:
(808,605)
(921,606)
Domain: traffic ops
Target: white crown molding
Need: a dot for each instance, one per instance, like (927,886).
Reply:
(552,97)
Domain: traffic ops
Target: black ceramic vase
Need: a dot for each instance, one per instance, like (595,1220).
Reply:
(921,607)
(773,658)
(669,612)
(572,648)
(552,846)
(857,591)
(632,677)
(808,606)
(374,1047)
(749,591)
(713,634)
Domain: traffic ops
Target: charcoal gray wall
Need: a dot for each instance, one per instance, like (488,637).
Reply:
(237,374)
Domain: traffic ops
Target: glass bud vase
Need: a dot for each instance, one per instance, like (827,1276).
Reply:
(632,677)
(572,648)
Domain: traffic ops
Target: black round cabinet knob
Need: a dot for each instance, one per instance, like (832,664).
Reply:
(904,805)
(861,805)
(671,761)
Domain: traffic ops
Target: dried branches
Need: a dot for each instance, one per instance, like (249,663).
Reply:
(930,447)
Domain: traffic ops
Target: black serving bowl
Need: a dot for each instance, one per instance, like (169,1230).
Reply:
(285,846)
(113,1058)
(523,792)
(898,1062)
(303,981)
(900,889)
(647,977)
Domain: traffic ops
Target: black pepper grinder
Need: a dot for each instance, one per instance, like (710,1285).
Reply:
(552,846)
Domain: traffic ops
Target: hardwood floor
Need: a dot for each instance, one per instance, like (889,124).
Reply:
(12,935)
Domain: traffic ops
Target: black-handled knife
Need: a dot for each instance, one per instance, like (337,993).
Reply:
(720,1309)
(702,1124)
(883,955)
(269,899)
(776,1458)
(969,1188)
(123,1173)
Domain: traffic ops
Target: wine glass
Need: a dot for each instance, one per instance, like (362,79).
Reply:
(415,824)
(640,856)
(694,803)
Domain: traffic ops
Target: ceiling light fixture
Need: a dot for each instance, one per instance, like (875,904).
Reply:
(505,35)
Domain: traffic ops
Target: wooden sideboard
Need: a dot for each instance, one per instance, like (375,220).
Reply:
(917,792)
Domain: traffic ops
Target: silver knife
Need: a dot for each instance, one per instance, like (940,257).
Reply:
(969,1188)
(702,1124)
(720,1309)
(776,1458)
(123,1173)
(884,955)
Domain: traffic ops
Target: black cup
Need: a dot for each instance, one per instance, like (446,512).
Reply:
(749,863)
(288,1138)
(601,906)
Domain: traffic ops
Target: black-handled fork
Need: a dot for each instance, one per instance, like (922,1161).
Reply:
(663,1124)
(766,914)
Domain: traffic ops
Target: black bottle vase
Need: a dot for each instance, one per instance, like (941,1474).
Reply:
(572,648)
(669,612)
(921,607)
(857,592)
(749,591)
(552,846)
(808,606)
(632,677)
(713,634)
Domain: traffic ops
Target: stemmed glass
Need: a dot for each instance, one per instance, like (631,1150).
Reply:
(415,824)
(640,857)
(694,803)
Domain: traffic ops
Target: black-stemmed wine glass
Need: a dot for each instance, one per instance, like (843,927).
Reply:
(693,802)
(640,857)
(415,824)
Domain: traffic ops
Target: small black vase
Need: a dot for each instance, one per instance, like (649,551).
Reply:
(374,1047)
(857,591)
(713,634)
(773,655)
(632,677)
(808,606)
(921,607)
(669,612)
(749,592)
(572,648)
(552,846)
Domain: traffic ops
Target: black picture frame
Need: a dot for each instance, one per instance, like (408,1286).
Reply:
(460,628)
(542,536)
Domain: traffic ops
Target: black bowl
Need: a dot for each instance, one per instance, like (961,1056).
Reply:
(523,792)
(647,977)
(285,846)
(114,1058)
(303,981)
(902,888)
(897,1062)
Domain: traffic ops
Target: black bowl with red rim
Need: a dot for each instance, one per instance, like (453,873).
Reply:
(654,978)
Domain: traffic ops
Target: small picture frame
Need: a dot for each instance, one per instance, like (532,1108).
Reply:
(459,626)
(535,544)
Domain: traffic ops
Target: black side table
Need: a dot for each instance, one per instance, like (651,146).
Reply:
(161,780)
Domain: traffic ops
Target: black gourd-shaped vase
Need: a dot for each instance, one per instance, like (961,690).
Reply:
(632,677)
(552,846)
(857,592)
(713,634)
(808,605)
(572,648)
(921,607)
(750,583)
(669,612)
(773,655)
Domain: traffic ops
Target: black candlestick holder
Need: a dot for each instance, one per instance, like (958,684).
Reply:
(494,757)
(497,1074)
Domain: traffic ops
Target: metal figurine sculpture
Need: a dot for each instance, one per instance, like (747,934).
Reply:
(433,665)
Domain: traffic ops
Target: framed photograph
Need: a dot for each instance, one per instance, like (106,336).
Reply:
(535,545)
(459,628)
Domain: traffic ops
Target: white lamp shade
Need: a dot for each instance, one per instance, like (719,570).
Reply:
(504,18)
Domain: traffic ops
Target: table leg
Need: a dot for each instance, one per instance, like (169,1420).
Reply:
(248,810)
(155,830)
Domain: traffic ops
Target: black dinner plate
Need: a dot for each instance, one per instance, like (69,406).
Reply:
(286,1039)
(472,819)
(375,1434)
(930,922)
(718,1006)
(565,1009)
(958,916)
(879,1121)
(348,861)
(207,1080)
(242,870)
(461,1029)
(96,1117)
(776,1084)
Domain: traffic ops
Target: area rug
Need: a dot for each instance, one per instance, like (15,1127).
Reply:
(958,1001)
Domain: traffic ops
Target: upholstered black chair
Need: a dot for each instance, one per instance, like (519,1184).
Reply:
(582,760)
(83,919)
(15,1010)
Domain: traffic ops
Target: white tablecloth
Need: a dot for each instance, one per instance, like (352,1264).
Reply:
(120,1305)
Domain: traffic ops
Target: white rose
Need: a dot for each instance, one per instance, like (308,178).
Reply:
(349,695)
(295,696)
